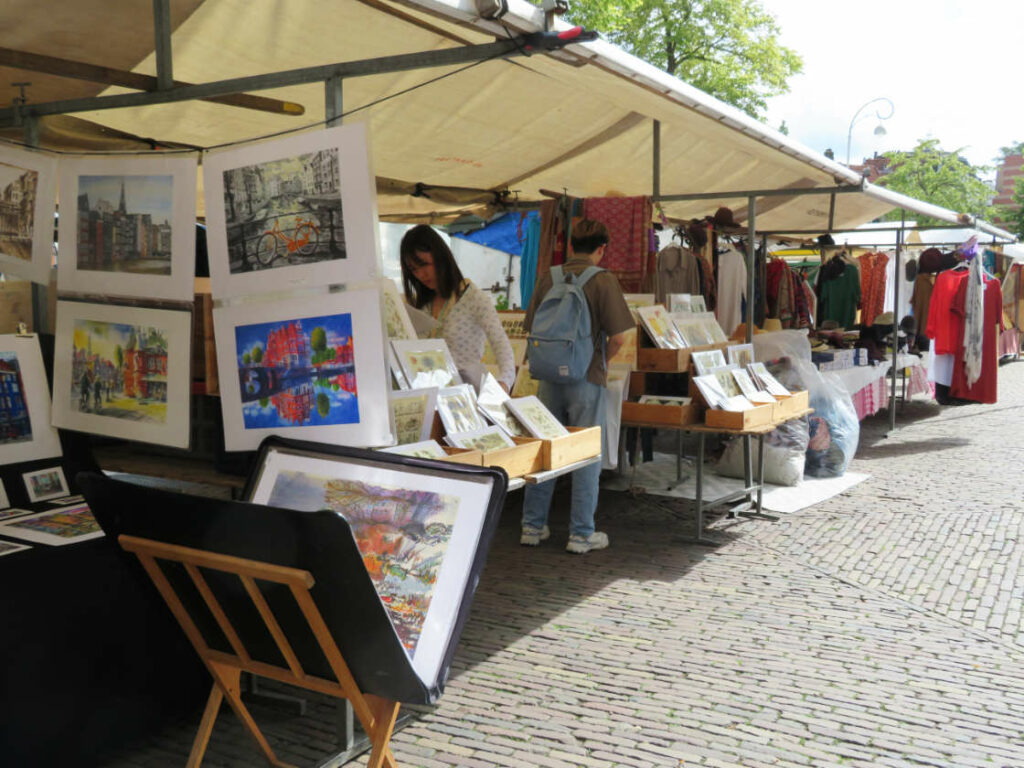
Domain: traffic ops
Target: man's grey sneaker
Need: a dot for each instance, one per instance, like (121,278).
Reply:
(580,545)
(531,537)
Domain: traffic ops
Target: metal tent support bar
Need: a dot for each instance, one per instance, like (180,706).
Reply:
(162,38)
(751,193)
(895,324)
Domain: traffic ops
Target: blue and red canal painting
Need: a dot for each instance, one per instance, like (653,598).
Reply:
(297,373)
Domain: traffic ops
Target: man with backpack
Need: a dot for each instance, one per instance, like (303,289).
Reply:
(572,382)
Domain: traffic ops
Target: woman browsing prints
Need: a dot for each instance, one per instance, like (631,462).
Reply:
(465,315)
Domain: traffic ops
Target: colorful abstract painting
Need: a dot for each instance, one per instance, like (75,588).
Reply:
(119,370)
(58,527)
(15,423)
(402,535)
(297,373)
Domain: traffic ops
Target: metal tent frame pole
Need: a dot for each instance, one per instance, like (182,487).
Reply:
(895,325)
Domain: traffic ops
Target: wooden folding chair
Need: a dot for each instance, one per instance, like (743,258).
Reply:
(377,715)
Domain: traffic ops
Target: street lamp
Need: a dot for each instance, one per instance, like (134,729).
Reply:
(879,129)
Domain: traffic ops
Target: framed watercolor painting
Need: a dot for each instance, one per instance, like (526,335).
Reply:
(678,302)
(711,327)
(397,324)
(417,527)
(697,303)
(123,372)
(131,226)
(57,527)
(524,385)
(413,413)
(28,189)
(457,408)
(486,439)
(705,360)
(626,354)
(292,212)
(491,400)
(740,354)
(750,390)
(423,449)
(536,418)
(636,300)
(660,327)
(25,431)
(761,375)
(518,352)
(43,484)
(426,363)
(312,367)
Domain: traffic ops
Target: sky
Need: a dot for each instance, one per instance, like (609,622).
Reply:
(948,66)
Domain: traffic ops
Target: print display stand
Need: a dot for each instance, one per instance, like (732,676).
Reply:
(320,557)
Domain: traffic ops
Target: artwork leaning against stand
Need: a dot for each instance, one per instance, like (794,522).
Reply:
(419,529)
(130,226)
(397,324)
(537,419)
(312,367)
(123,372)
(25,431)
(28,194)
(292,212)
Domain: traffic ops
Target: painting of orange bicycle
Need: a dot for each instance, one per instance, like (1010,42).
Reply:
(284,212)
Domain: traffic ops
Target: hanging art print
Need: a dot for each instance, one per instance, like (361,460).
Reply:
(417,531)
(123,372)
(25,431)
(298,211)
(129,228)
(290,371)
(28,196)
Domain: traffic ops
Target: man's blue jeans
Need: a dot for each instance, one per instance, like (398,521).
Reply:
(580,404)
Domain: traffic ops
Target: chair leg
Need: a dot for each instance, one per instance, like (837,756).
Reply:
(202,739)
(229,681)
(385,714)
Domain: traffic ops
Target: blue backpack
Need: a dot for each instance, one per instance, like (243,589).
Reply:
(560,346)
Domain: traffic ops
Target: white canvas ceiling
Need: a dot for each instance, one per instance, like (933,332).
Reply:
(580,120)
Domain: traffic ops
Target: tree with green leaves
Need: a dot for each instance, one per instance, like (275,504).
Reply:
(323,405)
(257,354)
(929,173)
(728,48)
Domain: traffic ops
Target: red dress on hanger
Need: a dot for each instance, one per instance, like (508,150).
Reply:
(944,326)
(984,390)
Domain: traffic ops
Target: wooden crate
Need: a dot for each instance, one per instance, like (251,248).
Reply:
(670,360)
(760,416)
(581,443)
(524,459)
(653,415)
(469,456)
(793,403)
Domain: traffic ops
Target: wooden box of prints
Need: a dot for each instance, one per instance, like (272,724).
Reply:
(581,443)
(794,403)
(469,456)
(655,415)
(759,416)
(524,459)
(669,360)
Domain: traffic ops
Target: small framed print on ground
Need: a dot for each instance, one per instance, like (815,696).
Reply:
(28,189)
(311,366)
(25,396)
(131,226)
(123,372)
(44,484)
(57,527)
(294,212)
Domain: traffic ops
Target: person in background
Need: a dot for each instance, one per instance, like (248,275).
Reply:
(465,315)
(580,403)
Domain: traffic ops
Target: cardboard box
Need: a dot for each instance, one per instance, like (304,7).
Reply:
(741,420)
(581,443)
(524,459)
(652,415)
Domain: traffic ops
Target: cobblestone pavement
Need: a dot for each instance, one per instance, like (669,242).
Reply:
(881,628)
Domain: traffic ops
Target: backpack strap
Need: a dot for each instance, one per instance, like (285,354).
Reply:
(556,275)
(586,274)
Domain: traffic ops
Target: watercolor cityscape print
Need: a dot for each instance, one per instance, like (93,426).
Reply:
(119,370)
(68,523)
(402,536)
(15,423)
(297,373)
(284,212)
(17,210)
(131,235)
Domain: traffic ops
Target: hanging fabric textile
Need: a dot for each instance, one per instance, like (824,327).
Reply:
(974,320)
(894,272)
(676,272)
(944,328)
(707,277)
(528,261)
(872,286)
(732,289)
(985,388)
(838,292)
(628,220)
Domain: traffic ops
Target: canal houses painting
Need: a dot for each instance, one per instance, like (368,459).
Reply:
(28,191)
(25,431)
(315,375)
(123,371)
(130,228)
(295,212)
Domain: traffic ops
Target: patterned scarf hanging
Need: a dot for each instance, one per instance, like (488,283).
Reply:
(974,321)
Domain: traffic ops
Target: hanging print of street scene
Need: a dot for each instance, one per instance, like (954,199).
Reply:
(284,212)
(297,373)
(402,535)
(17,210)
(124,223)
(119,370)
(15,424)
